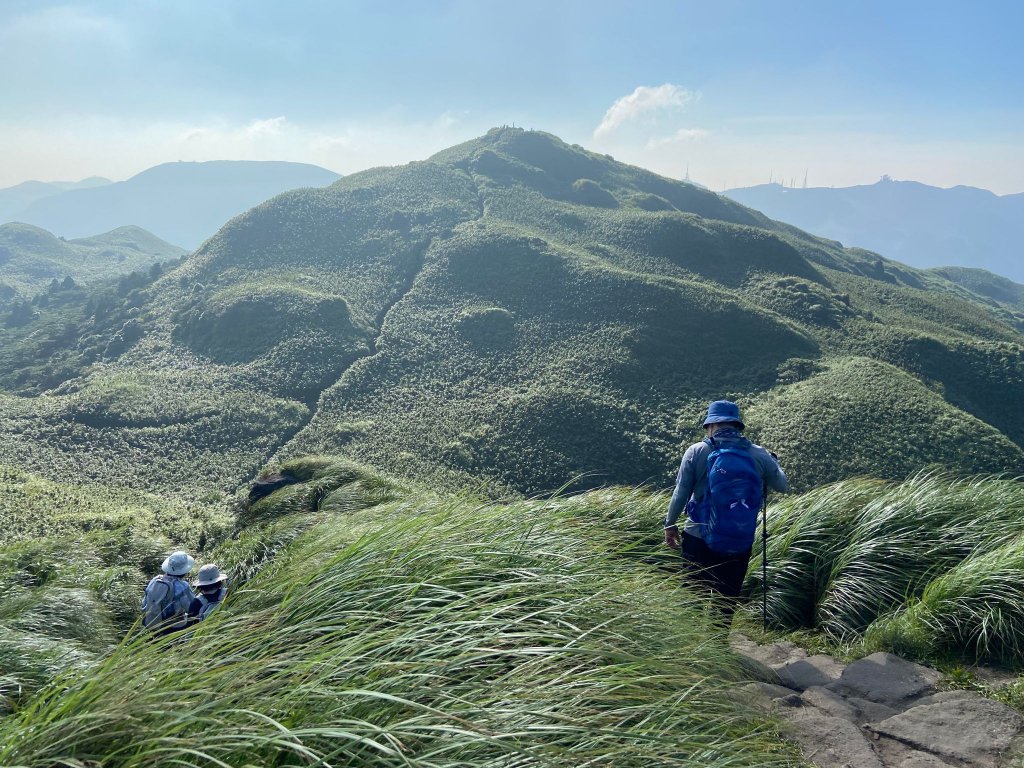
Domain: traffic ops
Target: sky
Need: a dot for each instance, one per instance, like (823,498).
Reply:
(732,93)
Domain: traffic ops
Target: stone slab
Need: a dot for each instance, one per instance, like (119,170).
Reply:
(771,655)
(886,679)
(941,696)
(895,754)
(829,702)
(915,759)
(802,674)
(766,690)
(871,711)
(975,730)
(830,742)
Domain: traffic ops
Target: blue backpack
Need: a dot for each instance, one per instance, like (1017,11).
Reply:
(162,601)
(733,499)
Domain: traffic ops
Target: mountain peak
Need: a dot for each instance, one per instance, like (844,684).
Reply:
(569,172)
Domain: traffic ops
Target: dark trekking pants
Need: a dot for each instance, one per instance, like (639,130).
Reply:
(722,574)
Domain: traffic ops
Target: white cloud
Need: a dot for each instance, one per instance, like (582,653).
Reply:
(682,136)
(231,140)
(644,101)
(269,127)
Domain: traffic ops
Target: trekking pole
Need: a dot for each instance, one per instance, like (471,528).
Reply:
(764,559)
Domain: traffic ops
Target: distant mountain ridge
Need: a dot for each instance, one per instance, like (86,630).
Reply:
(917,224)
(516,314)
(183,203)
(31,257)
(14,200)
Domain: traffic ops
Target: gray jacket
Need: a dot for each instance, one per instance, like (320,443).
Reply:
(692,481)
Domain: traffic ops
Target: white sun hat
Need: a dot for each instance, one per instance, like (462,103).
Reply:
(209,575)
(178,564)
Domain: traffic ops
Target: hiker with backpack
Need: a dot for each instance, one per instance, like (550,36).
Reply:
(212,585)
(168,595)
(722,484)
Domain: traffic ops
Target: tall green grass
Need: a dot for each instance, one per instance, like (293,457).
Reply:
(973,610)
(944,554)
(73,563)
(421,632)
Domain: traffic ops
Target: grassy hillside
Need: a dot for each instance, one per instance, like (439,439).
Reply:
(517,314)
(372,626)
(370,623)
(74,560)
(70,326)
(1000,291)
(31,258)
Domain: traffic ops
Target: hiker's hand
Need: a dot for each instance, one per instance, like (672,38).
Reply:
(672,539)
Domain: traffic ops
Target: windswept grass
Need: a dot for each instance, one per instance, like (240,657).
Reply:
(975,610)
(931,565)
(73,563)
(421,632)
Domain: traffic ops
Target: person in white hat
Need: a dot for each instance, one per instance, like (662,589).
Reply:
(212,586)
(168,596)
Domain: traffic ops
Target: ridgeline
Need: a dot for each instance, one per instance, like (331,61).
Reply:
(517,312)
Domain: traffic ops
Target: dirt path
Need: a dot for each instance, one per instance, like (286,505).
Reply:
(880,712)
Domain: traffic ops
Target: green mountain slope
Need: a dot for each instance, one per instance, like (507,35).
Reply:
(519,312)
(368,625)
(30,257)
(1001,291)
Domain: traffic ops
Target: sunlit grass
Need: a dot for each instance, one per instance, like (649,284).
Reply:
(421,632)
(944,553)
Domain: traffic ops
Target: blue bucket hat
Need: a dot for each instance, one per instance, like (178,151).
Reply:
(723,410)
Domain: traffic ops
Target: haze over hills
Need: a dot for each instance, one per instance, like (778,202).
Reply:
(15,199)
(521,312)
(182,203)
(30,257)
(908,221)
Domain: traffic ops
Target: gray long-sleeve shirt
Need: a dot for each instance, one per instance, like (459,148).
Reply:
(692,481)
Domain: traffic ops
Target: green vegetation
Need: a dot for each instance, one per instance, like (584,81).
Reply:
(513,314)
(389,628)
(74,560)
(31,257)
(856,412)
(987,285)
(931,567)
(57,334)
(371,623)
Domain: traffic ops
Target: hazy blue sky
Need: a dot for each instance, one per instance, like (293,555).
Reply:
(734,91)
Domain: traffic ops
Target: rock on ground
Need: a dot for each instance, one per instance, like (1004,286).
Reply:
(879,712)
(886,679)
(802,674)
(973,729)
(831,742)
